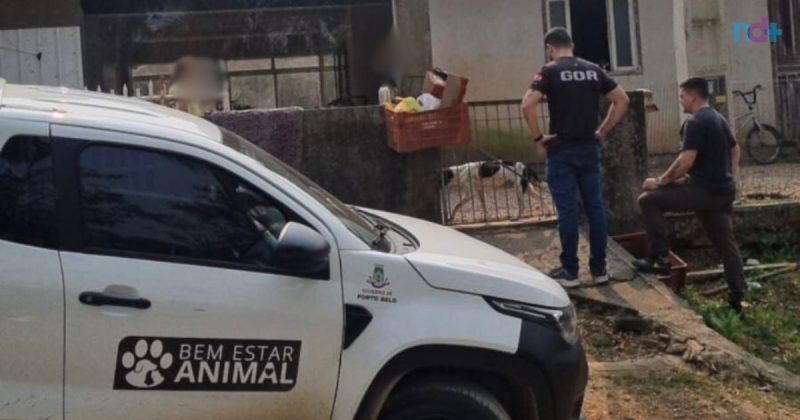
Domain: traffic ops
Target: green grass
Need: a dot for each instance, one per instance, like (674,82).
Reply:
(771,249)
(516,145)
(771,329)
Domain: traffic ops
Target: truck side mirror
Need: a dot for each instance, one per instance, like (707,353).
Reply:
(301,250)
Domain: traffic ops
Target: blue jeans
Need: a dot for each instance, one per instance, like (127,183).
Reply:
(572,172)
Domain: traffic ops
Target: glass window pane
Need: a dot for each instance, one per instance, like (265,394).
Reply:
(250,92)
(249,65)
(558,13)
(301,89)
(297,62)
(160,204)
(622,33)
(142,70)
(27,192)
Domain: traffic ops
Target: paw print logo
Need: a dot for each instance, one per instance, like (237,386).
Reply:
(145,364)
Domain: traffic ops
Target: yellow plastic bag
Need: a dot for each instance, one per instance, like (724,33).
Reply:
(408,105)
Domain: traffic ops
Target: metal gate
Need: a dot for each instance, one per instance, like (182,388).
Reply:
(499,176)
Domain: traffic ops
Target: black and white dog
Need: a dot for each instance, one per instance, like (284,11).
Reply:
(468,180)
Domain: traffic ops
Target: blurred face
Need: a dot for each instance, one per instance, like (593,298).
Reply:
(688,101)
(550,51)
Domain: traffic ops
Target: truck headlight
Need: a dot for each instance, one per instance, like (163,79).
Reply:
(564,320)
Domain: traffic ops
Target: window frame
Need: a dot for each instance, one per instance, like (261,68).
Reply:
(144,74)
(548,18)
(612,37)
(73,149)
(55,241)
(635,34)
(788,58)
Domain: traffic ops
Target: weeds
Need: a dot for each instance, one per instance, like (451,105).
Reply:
(771,329)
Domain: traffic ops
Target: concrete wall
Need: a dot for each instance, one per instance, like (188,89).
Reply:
(712,52)
(498,45)
(345,151)
(660,57)
(751,223)
(60,63)
(412,20)
(622,177)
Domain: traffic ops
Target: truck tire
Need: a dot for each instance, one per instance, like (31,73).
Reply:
(443,399)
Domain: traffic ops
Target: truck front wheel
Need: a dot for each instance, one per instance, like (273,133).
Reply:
(443,399)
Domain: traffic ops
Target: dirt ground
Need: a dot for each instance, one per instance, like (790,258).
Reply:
(670,393)
(630,379)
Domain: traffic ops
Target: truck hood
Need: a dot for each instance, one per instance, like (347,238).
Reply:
(450,260)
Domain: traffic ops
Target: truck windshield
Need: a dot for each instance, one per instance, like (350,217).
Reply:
(351,219)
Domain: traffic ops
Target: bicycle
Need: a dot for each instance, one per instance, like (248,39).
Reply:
(764,143)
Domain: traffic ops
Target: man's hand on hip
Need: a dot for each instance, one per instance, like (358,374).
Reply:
(650,184)
(600,136)
(546,138)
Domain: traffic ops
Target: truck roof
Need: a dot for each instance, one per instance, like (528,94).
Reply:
(102,110)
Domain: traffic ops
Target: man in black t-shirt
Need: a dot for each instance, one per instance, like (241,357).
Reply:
(573,88)
(702,179)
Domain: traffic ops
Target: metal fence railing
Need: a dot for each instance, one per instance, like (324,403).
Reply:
(499,176)
(499,132)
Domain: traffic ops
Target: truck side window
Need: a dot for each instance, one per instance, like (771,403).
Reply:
(145,203)
(27,192)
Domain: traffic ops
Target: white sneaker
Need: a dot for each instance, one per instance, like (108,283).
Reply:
(600,277)
(568,284)
(564,278)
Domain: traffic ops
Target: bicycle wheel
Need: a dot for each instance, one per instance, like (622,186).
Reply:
(764,145)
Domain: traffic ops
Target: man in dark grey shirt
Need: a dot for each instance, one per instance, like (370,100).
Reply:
(702,179)
(573,88)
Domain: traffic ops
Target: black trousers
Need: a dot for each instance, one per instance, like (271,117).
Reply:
(715,213)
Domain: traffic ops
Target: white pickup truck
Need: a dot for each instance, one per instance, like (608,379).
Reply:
(156,266)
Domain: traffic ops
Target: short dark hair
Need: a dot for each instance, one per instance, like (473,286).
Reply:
(558,37)
(698,86)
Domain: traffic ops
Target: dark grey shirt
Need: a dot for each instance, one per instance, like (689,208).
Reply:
(573,87)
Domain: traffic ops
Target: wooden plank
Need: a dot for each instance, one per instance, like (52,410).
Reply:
(696,276)
(722,289)
(9,58)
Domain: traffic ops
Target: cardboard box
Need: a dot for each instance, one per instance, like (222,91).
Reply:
(455,87)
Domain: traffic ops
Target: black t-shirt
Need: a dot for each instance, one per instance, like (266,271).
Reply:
(709,134)
(573,87)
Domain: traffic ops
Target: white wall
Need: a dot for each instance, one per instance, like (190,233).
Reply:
(498,45)
(61,61)
(660,54)
(748,64)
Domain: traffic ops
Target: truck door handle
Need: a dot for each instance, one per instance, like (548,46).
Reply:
(100,299)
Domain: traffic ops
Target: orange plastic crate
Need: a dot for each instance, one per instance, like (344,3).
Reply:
(409,132)
(638,246)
